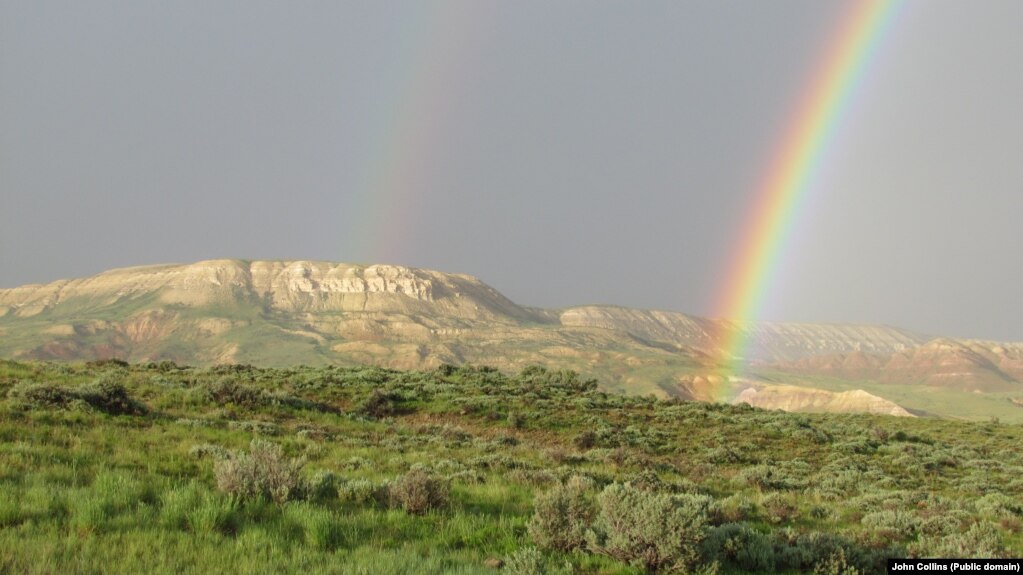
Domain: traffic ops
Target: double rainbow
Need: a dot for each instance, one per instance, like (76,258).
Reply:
(767,232)
(430,72)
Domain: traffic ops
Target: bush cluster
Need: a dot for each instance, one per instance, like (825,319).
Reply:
(103,394)
(562,515)
(653,531)
(263,472)
(419,491)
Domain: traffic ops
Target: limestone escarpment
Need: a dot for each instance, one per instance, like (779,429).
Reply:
(292,287)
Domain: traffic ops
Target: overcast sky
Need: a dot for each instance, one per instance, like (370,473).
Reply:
(564,152)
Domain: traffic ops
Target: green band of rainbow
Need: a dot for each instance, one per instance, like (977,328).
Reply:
(776,208)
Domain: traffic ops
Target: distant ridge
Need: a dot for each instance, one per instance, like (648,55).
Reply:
(315,312)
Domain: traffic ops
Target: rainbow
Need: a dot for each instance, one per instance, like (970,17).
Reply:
(777,205)
(429,76)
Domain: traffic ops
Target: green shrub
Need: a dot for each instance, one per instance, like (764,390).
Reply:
(813,549)
(212,451)
(255,427)
(892,523)
(542,378)
(379,404)
(780,476)
(516,420)
(561,516)
(738,507)
(999,505)
(419,491)
(227,390)
(104,394)
(467,477)
(585,440)
(263,472)
(41,395)
(354,463)
(835,564)
(525,561)
(653,531)
(980,540)
(361,491)
(741,546)
(534,477)
(779,508)
(111,397)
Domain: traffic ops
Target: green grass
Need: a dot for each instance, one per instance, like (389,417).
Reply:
(82,491)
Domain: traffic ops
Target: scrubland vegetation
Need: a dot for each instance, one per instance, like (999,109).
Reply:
(114,468)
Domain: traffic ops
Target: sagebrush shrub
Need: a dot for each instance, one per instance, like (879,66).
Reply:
(210,450)
(835,564)
(355,462)
(41,395)
(467,477)
(379,404)
(227,390)
(525,561)
(111,397)
(779,508)
(980,540)
(739,545)
(585,440)
(818,550)
(562,515)
(516,420)
(535,477)
(419,491)
(653,531)
(361,491)
(999,505)
(103,395)
(262,472)
(892,523)
(738,507)
(255,427)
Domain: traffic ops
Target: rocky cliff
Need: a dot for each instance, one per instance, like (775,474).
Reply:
(275,286)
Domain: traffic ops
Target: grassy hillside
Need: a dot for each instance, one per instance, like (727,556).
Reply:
(157,468)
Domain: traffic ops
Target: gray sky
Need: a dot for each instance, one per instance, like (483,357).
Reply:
(564,152)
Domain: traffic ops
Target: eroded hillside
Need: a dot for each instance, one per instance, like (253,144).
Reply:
(305,312)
